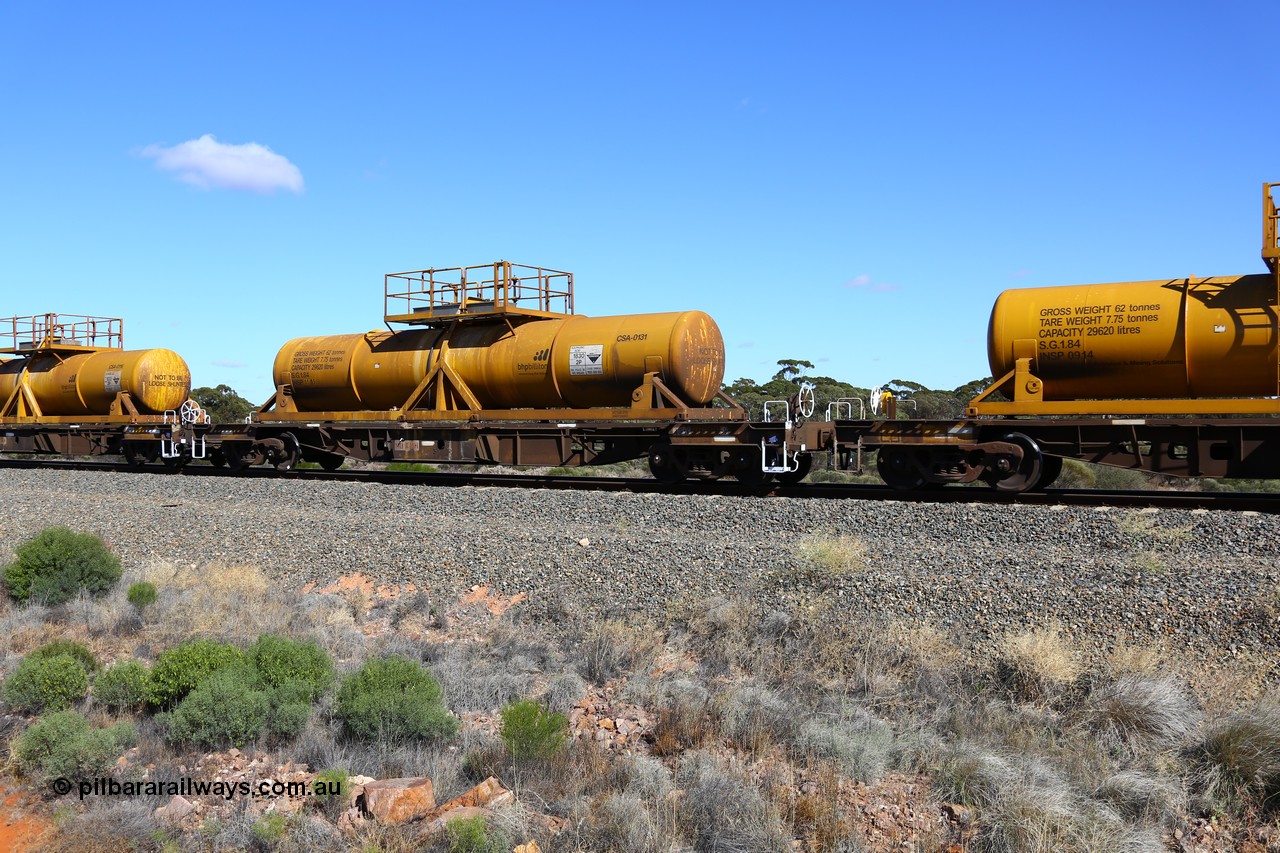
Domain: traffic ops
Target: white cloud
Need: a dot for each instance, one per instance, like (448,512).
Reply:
(210,164)
(227,363)
(864,282)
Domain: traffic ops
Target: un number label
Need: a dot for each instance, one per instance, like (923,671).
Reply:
(586,360)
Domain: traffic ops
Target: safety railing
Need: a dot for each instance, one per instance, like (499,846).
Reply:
(60,332)
(454,292)
(1270,228)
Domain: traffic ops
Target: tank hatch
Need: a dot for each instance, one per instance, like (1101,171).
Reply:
(60,333)
(500,290)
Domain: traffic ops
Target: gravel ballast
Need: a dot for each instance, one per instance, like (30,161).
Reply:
(1202,584)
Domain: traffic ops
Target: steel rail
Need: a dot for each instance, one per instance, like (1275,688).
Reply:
(1231,501)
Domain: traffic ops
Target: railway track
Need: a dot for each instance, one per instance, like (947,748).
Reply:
(1228,501)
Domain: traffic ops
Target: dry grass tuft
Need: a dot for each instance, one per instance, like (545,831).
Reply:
(861,746)
(614,647)
(621,823)
(1241,755)
(235,603)
(722,811)
(756,718)
(1136,711)
(829,559)
(1139,527)
(973,777)
(684,719)
(820,816)
(1142,797)
(1037,664)
(1127,659)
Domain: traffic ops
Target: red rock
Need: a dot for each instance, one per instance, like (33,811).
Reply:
(396,801)
(488,792)
(460,813)
(176,809)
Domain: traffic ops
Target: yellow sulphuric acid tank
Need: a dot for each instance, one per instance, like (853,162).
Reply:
(569,362)
(1209,337)
(86,383)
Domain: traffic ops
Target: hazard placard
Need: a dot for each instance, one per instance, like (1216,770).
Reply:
(586,360)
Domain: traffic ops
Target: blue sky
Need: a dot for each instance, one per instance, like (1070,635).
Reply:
(848,183)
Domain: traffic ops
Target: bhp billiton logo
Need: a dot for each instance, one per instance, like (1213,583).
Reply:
(542,355)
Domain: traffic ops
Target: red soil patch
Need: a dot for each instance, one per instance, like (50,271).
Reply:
(21,832)
(495,604)
(360,582)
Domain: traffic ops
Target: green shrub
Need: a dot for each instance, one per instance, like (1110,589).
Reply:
(271,830)
(303,667)
(288,719)
(471,835)
(181,668)
(329,791)
(46,682)
(225,707)
(393,698)
(530,731)
(331,783)
(142,595)
(64,745)
(123,687)
(82,656)
(58,563)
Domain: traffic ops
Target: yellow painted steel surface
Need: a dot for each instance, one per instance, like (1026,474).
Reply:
(86,384)
(574,362)
(1211,337)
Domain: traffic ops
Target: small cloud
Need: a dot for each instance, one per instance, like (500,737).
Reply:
(209,164)
(746,345)
(864,282)
(236,364)
(1023,273)
(823,360)
(374,172)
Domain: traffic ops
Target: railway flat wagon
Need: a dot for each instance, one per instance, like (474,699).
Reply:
(72,389)
(489,364)
(1175,376)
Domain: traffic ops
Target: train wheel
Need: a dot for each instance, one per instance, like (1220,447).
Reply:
(286,459)
(792,477)
(895,467)
(135,457)
(331,461)
(667,464)
(1026,474)
(217,459)
(1051,470)
(234,457)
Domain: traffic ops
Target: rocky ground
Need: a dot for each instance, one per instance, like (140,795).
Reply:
(441,572)
(1200,585)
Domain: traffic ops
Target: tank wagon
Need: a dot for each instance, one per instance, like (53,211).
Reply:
(1175,376)
(72,389)
(490,364)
